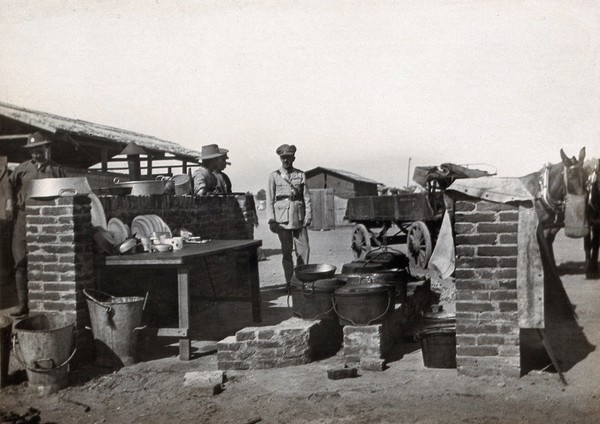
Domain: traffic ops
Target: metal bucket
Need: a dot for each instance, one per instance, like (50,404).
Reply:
(362,305)
(182,184)
(5,332)
(44,345)
(438,346)
(313,300)
(115,325)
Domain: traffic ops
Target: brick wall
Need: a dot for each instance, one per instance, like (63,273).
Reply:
(487,330)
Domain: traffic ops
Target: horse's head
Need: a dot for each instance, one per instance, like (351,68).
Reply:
(573,176)
(556,181)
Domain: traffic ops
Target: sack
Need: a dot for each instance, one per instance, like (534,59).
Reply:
(576,225)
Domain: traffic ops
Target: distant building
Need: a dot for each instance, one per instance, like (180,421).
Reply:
(330,190)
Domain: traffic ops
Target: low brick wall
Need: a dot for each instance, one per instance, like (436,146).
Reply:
(292,342)
(487,330)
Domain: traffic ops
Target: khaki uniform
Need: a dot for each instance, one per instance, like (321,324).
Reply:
(288,204)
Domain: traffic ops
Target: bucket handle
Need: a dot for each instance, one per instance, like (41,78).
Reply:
(89,296)
(17,350)
(318,315)
(371,321)
(309,293)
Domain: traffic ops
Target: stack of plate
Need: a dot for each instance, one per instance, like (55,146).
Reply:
(119,230)
(145,225)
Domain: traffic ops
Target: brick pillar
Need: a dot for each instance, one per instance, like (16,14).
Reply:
(487,327)
(60,260)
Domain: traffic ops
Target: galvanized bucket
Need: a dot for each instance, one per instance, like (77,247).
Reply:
(44,345)
(115,325)
(5,332)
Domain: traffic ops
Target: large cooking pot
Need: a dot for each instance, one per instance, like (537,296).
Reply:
(144,187)
(55,187)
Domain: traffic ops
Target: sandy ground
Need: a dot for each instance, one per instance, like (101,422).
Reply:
(152,391)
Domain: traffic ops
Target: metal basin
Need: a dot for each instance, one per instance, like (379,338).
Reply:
(314,272)
(144,187)
(55,187)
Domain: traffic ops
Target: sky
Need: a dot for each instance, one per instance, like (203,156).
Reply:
(369,87)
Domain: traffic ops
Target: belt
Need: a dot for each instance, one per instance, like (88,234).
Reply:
(292,198)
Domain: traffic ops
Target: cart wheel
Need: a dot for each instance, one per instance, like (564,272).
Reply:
(361,241)
(418,242)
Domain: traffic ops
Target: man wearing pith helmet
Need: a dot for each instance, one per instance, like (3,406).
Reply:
(38,167)
(289,210)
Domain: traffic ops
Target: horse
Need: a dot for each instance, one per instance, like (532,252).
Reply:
(550,187)
(591,241)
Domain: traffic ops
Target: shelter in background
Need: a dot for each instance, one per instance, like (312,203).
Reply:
(89,149)
(330,190)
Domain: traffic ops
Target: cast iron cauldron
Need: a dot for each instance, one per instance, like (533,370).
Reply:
(314,272)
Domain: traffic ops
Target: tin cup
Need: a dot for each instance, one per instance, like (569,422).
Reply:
(177,243)
(146,244)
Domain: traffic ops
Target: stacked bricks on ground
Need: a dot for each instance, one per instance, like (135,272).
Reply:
(487,327)
(60,261)
(298,341)
(295,341)
(370,345)
(209,217)
(61,256)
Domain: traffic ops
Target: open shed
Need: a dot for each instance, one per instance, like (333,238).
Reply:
(86,147)
(330,190)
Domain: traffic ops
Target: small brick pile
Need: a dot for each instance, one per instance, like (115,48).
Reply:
(292,342)
(487,330)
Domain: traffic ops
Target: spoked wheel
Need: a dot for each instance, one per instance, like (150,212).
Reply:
(418,242)
(361,241)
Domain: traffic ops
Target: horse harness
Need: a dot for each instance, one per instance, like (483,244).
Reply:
(553,207)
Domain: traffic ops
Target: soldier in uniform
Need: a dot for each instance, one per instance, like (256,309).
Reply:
(38,167)
(289,210)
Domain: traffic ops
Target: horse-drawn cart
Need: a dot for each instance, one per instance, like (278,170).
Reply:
(412,218)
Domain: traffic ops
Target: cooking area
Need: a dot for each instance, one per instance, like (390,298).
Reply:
(148,285)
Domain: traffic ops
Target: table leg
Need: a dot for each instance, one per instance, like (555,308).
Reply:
(183,293)
(254,282)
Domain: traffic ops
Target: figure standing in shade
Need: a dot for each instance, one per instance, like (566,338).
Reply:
(289,210)
(38,167)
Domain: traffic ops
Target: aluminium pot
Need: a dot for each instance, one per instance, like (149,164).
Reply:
(55,187)
(362,305)
(313,300)
(182,184)
(395,279)
(144,187)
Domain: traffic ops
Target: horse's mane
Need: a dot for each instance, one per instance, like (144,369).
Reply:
(531,182)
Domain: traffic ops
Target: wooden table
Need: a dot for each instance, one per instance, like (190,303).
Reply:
(183,262)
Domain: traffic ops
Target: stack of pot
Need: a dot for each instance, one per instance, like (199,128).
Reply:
(372,287)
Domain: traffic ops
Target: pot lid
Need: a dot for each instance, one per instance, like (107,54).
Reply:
(361,290)
(326,284)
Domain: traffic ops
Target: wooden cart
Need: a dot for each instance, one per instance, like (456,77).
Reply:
(411,218)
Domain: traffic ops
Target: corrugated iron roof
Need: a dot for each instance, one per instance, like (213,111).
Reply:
(54,123)
(341,173)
